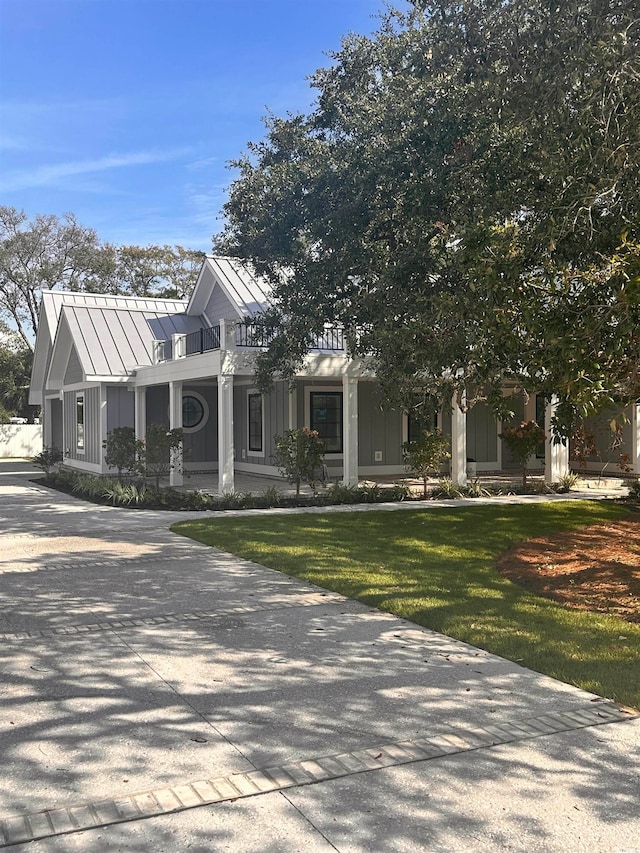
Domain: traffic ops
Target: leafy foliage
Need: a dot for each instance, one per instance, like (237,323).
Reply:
(15,373)
(299,455)
(464,199)
(160,452)
(424,455)
(122,450)
(522,441)
(47,459)
(48,252)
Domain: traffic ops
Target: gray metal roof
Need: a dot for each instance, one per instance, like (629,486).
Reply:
(247,292)
(114,341)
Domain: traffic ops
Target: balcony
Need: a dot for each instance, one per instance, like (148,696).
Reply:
(237,336)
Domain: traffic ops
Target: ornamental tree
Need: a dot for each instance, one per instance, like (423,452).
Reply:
(299,455)
(464,197)
(523,441)
(425,454)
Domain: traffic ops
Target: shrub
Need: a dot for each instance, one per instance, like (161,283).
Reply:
(122,450)
(160,451)
(47,459)
(523,442)
(446,488)
(425,455)
(299,455)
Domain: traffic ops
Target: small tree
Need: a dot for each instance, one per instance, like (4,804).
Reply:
(522,442)
(47,459)
(159,454)
(425,455)
(299,454)
(122,450)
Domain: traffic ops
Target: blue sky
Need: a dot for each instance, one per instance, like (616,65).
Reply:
(126,112)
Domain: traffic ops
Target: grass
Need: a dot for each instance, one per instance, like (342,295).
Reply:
(437,568)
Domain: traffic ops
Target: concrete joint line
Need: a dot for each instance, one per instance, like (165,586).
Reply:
(48,823)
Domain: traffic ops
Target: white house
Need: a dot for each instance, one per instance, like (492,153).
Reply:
(106,361)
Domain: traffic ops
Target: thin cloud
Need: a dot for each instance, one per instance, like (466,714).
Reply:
(54,174)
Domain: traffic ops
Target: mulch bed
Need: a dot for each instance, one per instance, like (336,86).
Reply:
(596,568)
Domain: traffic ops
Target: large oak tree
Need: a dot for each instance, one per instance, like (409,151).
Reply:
(464,198)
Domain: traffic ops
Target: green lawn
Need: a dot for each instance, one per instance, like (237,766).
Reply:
(436,567)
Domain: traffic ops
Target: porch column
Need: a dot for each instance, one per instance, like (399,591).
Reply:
(556,456)
(225,434)
(635,439)
(140,414)
(104,426)
(175,422)
(293,408)
(350,429)
(458,443)
(47,426)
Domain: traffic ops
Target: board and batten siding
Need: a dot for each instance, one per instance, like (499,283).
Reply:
(92,437)
(201,444)
(275,419)
(220,308)
(120,408)
(73,373)
(378,431)
(482,434)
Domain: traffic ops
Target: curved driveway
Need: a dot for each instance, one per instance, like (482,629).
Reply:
(157,695)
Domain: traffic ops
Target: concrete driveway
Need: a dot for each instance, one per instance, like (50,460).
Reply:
(157,695)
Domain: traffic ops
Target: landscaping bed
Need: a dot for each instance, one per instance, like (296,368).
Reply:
(596,568)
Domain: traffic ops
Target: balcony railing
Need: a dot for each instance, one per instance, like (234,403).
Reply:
(253,335)
(244,335)
(201,341)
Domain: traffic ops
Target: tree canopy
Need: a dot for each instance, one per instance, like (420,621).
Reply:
(48,252)
(464,198)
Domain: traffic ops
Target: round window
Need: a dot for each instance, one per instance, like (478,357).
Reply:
(192,412)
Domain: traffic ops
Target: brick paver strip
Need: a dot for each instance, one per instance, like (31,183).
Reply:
(313,599)
(15,829)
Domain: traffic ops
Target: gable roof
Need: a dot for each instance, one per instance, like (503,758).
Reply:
(112,342)
(245,290)
(51,307)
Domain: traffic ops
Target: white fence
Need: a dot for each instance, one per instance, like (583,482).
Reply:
(17,440)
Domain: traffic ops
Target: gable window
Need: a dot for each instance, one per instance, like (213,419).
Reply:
(255,423)
(80,421)
(326,418)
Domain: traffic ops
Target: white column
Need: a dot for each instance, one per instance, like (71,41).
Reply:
(293,408)
(556,456)
(104,426)
(225,434)
(635,439)
(140,415)
(175,422)
(350,430)
(47,425)
(458,444)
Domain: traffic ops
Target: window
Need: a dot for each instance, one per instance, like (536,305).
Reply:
(80,421)
(192,411)
(255,423)
(326,418)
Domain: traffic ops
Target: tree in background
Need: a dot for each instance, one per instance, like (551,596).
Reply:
(464,198)
(15,374)
(48,253)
